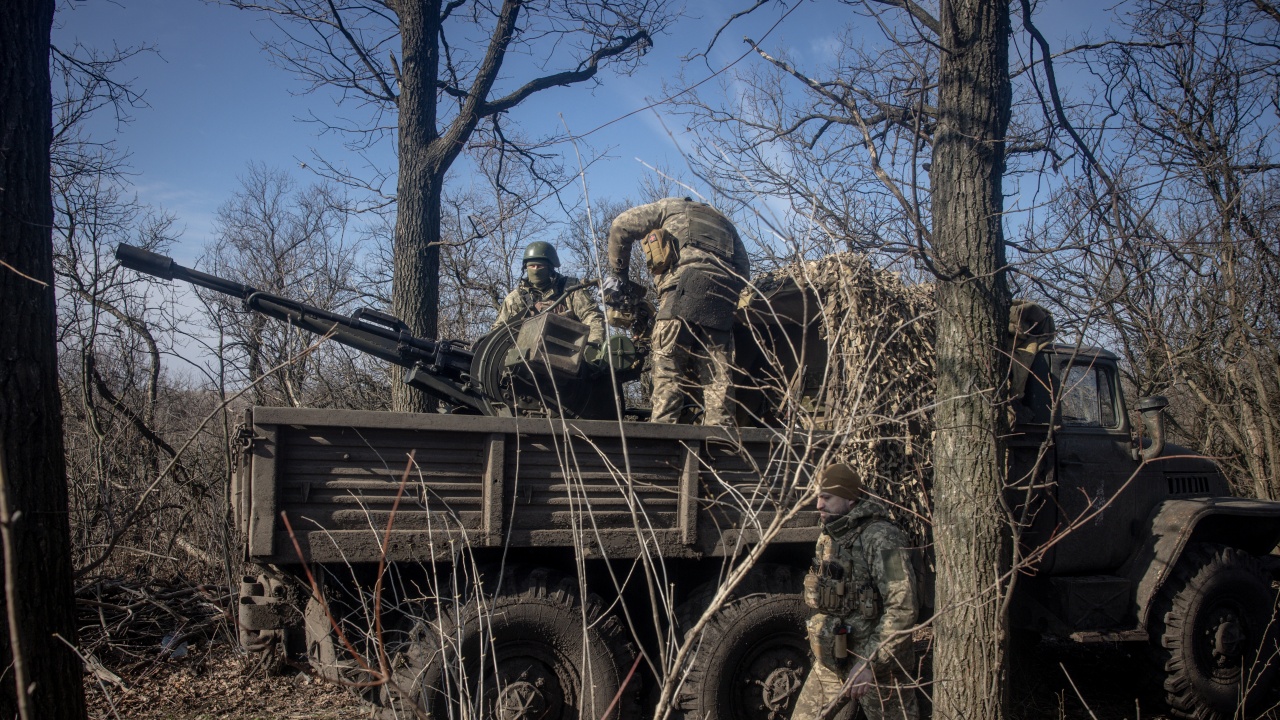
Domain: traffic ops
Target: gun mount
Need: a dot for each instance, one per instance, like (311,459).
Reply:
(535,366)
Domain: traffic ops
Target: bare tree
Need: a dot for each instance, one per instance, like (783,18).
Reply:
(1166,243)
(899,150)
(42,673)
(294,242)
(969,526)
(1201,109)
(145,486)
(827,143)
(452,74)
(110,342)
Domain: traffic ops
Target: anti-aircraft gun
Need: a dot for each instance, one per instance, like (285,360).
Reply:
(538,365)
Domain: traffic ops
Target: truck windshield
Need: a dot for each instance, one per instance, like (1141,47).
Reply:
(1087,397)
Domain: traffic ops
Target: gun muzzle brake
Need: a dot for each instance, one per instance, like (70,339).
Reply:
(145,261)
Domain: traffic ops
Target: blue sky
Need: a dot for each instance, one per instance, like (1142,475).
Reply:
(215,102)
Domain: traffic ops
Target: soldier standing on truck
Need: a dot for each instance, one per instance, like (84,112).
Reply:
(543,286)
(700,266)
(863,587)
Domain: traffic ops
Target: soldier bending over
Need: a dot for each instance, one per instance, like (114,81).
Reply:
(700,267)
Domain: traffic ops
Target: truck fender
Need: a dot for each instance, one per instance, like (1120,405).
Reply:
(1251,525)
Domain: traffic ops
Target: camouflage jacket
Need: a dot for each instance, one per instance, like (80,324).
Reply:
(863,586)
(579,305)
(705,276)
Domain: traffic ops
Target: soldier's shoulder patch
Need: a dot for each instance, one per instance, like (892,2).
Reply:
(891,559)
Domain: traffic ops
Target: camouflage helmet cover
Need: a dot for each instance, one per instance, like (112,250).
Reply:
(540,250)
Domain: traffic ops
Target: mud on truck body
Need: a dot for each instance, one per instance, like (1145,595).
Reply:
(545,558)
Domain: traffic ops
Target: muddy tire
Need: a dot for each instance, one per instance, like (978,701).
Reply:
(533,650)
(412,647)
(1214,635)
(326,653)
(753,656)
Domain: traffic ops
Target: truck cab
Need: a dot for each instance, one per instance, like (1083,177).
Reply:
(1122,536)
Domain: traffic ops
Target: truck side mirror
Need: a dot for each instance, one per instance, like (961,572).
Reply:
(1152,409)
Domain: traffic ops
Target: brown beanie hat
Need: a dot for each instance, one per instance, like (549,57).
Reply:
(840,480)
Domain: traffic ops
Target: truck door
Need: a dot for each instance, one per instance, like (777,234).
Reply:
(1094,468)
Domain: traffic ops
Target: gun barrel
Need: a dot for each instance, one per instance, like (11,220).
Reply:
(145,261)
(162,266)
(375,333)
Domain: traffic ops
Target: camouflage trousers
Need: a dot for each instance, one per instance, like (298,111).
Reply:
(892,698)
(681,351)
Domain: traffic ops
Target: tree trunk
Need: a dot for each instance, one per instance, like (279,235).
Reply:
(416,291)
(41,673)
(970,664)
(416,279)
(1264,485)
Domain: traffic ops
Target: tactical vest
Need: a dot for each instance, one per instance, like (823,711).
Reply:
(708,230)
(840,581)
(841,589)
(700,298)
(532,296)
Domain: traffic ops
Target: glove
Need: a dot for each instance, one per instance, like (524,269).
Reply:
(613,289)
(859,682)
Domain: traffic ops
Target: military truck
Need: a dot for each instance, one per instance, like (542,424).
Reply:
(519,558)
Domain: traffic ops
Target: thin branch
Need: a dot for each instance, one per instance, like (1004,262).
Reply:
(586,71)
(727,23)
(13,602)
(917,12)
(388,94)
(23,275)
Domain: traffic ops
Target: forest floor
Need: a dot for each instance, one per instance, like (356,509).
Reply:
(167,652)
(216,682)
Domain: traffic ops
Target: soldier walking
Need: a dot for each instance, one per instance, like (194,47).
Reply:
(700,266)
(863,589)
(543,286)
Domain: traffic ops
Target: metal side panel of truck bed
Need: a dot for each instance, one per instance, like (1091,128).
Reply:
(601,486)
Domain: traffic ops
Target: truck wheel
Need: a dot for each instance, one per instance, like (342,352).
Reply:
(327,655)
(412,647)
(754,655)
(533,651)
(1215,634)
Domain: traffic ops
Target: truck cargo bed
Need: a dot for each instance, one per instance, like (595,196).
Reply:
(609,488)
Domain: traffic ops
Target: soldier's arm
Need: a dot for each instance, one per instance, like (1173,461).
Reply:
(585,308)
(629,226)
(511,307)
(890,561)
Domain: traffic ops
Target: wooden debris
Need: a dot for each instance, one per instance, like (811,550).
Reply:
(145,620)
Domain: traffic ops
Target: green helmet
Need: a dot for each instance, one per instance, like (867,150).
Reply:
(544,251)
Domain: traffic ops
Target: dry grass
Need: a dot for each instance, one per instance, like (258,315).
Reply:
(215,681)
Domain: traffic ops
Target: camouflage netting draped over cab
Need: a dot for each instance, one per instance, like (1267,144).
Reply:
(848,348)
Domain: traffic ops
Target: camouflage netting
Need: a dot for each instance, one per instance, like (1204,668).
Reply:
(879,383)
